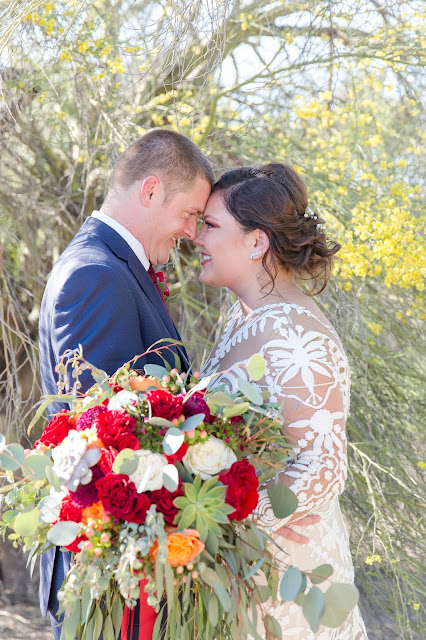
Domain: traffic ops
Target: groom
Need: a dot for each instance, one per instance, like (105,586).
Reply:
(102,292)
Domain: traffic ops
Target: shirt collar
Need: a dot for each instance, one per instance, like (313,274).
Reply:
(134,244)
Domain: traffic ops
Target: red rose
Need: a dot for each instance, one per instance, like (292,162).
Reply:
(74,546)
(163,500)
(57,429)
(120,499)
(107,459)
(164,404)
(197,404)
(179,453)
(129,442)
(113,426)
(72,511)
(241,493)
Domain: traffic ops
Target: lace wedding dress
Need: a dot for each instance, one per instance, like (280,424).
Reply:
(307,372)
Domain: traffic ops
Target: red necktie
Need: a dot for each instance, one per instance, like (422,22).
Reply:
(153,276)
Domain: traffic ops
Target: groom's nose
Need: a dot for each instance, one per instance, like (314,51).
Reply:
(191,228)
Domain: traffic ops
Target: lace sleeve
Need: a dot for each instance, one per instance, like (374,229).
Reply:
(308,373)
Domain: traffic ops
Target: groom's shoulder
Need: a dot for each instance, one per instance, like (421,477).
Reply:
(87,258)
(94,244)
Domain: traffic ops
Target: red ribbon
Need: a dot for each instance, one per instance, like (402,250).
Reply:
(147,618)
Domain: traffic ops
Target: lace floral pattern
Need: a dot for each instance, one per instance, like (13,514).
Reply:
(308,374)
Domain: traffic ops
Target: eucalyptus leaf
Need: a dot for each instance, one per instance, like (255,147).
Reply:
(237,410)
(46,402)
(52,478)
(155,370)
(170,478)
(26,523)
(117,613)
(283,500)
(36,466)
(340,599)
(155,421)
(263,592)
(219,399)
(2,442)
(173,440)
(223,595)
(8,461)
(313,607)
(49,508)
(256,367)
(86,603)
(63,533)
(192,422)
(291,584)
(70,623)
(98,622)
(254,569)
(253,394)
(274,627)
(209,576)
(9,515)
(200,386)
(321,573)
(213,610)
(126,462)
(212,544)
(108,629)
(169,575)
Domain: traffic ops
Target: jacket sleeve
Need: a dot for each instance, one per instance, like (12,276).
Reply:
(95,308)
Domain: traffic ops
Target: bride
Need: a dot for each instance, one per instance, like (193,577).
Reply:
(260,238)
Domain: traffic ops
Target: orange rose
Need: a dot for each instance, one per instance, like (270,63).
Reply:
(95,512)
(142,383)
(183,547)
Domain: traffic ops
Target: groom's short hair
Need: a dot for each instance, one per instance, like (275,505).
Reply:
(170,155)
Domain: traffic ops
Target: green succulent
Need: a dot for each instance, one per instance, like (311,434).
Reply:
(203,506)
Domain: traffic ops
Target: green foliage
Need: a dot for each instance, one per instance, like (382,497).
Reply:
(125,462)
(336,93)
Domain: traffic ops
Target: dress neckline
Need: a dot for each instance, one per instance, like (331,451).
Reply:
(292,305)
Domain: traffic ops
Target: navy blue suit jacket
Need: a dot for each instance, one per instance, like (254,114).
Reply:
(98,295)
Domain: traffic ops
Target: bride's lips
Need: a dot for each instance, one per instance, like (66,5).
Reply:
(205,258)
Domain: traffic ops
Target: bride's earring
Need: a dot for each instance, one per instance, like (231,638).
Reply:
(255,254)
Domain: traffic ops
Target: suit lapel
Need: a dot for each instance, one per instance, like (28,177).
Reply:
(119,246)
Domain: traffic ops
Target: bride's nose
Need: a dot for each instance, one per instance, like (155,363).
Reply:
(198,240)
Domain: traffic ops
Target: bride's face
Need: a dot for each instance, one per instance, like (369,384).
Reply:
(225,248)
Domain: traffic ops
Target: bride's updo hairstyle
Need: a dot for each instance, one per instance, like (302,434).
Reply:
(273,198)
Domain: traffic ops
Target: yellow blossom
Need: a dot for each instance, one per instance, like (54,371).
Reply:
(372,559)
(375,327)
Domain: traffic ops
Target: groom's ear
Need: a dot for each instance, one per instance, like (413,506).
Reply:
(149,189)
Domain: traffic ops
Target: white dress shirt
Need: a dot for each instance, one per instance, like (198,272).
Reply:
(134,244)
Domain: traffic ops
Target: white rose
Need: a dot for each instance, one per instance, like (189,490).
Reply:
(208,458)
(121,400)
(149,474)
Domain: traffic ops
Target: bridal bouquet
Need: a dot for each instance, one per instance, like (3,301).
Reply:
(150,481)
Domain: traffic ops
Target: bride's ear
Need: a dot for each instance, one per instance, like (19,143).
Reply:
(259,244)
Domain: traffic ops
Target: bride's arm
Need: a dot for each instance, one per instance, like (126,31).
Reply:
(307,372)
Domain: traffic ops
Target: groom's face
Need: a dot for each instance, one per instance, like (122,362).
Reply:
(177,217)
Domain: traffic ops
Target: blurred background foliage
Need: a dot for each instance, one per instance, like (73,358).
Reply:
(333,88)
